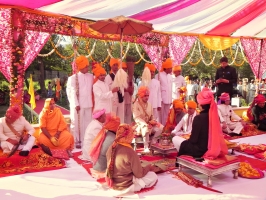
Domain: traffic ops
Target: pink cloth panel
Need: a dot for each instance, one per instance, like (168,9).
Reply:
(239,19)
(163,10)
(5,42)
(33,45)
(29,3)
(179,46)
(253,51)
(154,53)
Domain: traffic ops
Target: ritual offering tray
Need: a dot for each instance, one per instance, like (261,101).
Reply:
(162,149)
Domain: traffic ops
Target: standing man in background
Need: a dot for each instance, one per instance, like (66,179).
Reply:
(178,81)
(225,78)
(166,88)
(79,93)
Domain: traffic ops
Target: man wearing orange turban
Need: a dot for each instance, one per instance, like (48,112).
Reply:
(146,125)
(154,87)
(175,115)
(117,101)
(79,92)
(178,82)
(185,125)
(102,93)
(12,127)
(122,159)
(226,114)
(165,79)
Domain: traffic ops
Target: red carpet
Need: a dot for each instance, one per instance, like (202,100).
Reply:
(40,104)
(85,164)
(36,161)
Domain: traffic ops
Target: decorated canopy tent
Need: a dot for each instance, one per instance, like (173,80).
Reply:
(218,24)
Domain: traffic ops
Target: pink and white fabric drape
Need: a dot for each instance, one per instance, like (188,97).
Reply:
(155,54)
(5,42)
(33,45)
(179,46)
(256,55)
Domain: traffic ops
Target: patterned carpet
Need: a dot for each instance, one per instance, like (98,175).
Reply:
(36,161)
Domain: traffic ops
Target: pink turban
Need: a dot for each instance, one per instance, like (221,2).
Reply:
(224,97)
(216,143)
(13,113)
(98,113)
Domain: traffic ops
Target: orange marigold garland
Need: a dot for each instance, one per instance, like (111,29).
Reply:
(247,171)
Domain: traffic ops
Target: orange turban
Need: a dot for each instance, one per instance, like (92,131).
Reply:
(177,68)
(124,134)
(82,62)
(124,65)
(114,61)
(167,64)
(99,71)
(143,91)
(151,67)
(178,104)
(13,113)
(191,104)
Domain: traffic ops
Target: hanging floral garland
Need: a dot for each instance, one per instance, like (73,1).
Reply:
(53,50)
(141,56)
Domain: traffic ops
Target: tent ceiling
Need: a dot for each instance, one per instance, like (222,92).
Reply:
(214,17)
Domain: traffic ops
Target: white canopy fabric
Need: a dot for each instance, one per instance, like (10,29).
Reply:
(183,16)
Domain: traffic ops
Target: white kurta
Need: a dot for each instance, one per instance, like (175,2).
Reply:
(102,96)
(166,94)
(19,125)
(85,82)
(185,125)
(92,131)
(117,108)
(226,114)
(177,83)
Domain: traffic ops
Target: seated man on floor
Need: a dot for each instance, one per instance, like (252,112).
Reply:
(258,109)
(91,132)
(54,133)
(185,125)
(227,114)
(12,132)
(100,145)
(206,138)
(175,115)
(143,116)
(124,171)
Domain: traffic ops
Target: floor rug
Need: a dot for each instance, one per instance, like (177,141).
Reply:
(256,163)
(36,161)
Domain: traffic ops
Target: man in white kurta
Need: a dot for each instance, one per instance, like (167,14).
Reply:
(165,80)
(143,116)
(92,130)
(178,81)
(227,115)
(10,138)
(117,107)
(185,125)
(155,98)
(81,104)
(102,93)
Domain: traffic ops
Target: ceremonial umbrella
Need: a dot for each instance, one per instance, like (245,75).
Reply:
(123,26)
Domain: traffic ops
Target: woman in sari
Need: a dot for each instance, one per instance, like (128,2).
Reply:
(54,133)
(124,171)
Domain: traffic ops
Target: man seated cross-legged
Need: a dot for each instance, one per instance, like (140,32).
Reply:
(12,132)
(54,133)
(143,116)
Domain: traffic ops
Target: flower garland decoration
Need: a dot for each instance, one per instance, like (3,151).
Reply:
(53,50)
(247,171)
